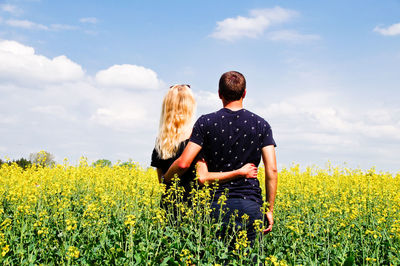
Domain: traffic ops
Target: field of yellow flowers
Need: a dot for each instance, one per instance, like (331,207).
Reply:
(111,215)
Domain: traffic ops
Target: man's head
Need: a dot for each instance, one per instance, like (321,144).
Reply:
(232,86)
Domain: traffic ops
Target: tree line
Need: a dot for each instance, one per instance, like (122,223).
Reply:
(42,158)
(46,159)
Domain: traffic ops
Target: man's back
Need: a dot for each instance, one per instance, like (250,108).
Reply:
(230,139)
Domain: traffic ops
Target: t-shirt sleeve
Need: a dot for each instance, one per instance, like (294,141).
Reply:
(198,132)
(199,157)
(155,159)
(267,139)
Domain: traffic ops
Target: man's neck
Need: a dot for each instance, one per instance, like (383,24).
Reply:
(235,105)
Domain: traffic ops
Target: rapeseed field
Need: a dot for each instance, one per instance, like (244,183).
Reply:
(112,216)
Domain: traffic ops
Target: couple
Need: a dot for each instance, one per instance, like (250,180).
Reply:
(225,146)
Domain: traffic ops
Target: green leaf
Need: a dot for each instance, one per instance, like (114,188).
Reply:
(349,261)
(138,258)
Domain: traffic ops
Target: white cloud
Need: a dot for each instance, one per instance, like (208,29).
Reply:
(313,128)
(274,15)
(8,120)
(326,139)
(127,115)
(20,64)
(12,9)
(389,31)
(126,110)
(253,26)
(26,24)
(292,36)
(70,114)
(15,48)
(58,111)
(380,116)
(91,20)
(58,27)
(29,25)
(316,113)
(91,32)
(207,101)
(128,77)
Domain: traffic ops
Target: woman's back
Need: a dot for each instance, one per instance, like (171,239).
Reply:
(186,179)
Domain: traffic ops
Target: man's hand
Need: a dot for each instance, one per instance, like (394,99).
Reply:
(270,222)
(248,170)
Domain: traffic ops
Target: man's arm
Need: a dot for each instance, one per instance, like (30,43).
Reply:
(183,163)
(271,181)
(248,171)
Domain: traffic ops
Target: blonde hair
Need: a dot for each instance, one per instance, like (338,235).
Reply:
(176,120)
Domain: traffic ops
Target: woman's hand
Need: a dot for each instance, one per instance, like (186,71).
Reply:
(248,170)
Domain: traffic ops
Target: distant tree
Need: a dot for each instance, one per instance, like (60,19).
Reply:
(102,163)
(23,163)
(43,158)
(130,164)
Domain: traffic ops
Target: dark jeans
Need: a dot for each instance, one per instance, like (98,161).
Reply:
(243,206)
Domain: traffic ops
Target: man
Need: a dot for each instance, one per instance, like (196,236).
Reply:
(230,138)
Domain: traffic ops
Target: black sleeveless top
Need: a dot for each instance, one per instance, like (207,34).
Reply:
(187,178)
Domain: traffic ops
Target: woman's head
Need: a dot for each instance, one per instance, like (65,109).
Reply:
(176,120)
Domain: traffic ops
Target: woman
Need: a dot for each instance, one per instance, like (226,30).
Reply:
(174,131)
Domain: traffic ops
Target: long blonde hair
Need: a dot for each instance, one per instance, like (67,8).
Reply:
(176,120)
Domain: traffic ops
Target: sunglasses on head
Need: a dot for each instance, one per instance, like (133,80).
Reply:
(187,85)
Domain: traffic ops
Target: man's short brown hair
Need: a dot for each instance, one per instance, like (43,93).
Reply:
(232,85)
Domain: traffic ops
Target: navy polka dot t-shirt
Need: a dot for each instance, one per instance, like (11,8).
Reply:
(229,140)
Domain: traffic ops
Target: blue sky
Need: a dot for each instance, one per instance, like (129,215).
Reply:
(87,77)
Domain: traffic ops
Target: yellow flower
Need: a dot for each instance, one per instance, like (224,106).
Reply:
(5,250)
(73,252)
